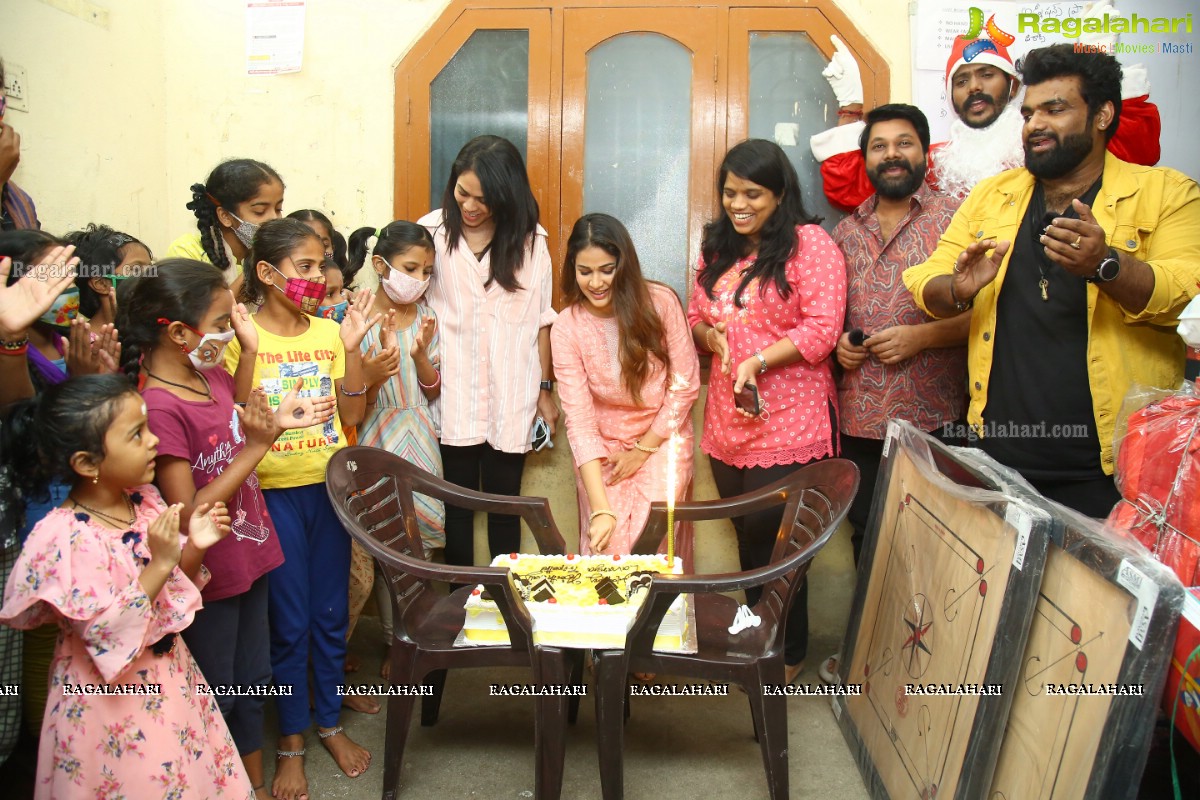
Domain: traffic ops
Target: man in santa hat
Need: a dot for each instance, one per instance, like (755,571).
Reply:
(985,137)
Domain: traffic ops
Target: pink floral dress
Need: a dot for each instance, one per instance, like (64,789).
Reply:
(164,741)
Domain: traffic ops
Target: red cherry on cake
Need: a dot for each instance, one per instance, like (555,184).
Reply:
(616,557)
(513,556)
(552,600)
(570,556)
(475,591)
(603,602)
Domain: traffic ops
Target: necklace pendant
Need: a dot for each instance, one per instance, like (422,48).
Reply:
(1043,284)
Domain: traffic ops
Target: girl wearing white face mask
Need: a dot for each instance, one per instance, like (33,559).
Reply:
(402,368)
(238,197)
(176,327)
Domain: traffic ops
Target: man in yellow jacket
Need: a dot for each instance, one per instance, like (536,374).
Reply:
(1077,267)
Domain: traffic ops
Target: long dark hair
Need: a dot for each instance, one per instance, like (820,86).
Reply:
(640,331)
(181,291)
(274,242)
(501,172)
(42,433)
(232,183)
(762,162)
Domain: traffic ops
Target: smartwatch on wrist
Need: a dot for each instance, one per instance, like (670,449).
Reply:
(1108,269)
(546,386)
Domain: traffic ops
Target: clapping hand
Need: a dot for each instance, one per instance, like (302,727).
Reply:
(209,524)
(162,538)
(358,319)
(34,292)
(303,412)
(1076,245)
(88,355)
(243,328)
(425,331)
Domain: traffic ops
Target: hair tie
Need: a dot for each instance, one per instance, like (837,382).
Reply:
(379,233)
(212,199)
(371,242)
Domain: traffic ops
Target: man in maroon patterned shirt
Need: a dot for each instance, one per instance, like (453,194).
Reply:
(896,361)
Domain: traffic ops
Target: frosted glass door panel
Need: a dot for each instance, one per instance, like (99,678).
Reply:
(789,102)
(637,148)
(484,89)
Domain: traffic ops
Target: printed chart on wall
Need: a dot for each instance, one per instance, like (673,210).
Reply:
(950,589)
(1137,33)
(274,36)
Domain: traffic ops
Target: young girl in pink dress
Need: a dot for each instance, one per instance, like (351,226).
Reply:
(627,376)
(109,566)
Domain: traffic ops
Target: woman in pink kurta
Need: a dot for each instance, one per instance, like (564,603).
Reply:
(124,718)
(627,377)
(768,303)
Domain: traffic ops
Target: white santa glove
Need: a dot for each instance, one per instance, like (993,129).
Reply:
(843,75)
(1135,81)
(1096,11)
(1189,323)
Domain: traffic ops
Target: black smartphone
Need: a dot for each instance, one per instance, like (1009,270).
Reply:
(747,399)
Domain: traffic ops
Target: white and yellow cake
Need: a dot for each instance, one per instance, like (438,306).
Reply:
(579,601)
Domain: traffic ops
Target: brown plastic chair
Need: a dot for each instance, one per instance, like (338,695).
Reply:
(372,492)
(815,498)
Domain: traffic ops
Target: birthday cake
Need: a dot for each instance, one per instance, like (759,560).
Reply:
(580,601)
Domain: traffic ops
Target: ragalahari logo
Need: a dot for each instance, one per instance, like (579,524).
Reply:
(995,35)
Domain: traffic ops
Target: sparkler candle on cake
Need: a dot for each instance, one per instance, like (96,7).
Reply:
(672,476)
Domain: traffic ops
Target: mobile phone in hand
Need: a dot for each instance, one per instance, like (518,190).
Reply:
(747,399)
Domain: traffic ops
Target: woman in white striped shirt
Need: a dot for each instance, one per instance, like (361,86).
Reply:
(492,290)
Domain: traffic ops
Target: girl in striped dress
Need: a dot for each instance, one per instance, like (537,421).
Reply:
(402,369)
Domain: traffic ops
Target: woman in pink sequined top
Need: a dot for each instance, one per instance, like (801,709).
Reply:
(768,303)
(627,377)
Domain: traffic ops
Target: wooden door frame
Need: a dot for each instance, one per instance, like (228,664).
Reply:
(545,20)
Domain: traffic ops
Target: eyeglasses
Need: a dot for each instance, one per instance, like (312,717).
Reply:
(541,435)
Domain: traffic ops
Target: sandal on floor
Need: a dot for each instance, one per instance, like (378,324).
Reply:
(828,671)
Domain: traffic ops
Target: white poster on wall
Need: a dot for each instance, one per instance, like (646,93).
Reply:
(274,36)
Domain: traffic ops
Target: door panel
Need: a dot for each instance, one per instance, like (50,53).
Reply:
(638,129)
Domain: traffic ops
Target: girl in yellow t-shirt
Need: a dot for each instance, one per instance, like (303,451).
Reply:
(277,347)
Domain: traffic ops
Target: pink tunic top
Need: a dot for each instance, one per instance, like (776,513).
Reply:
(796,428)
(490,363)
(602,417)
(167,742)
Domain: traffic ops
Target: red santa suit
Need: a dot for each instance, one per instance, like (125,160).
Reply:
(971,154)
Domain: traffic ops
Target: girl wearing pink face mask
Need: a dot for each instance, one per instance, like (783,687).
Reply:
(402,368)
(278,347)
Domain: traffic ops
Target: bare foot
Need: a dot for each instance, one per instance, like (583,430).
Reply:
(351,758)
(290,783)
(361,703)
(261,793)
(645,677)
(385,669)
(353,662)
(792,671)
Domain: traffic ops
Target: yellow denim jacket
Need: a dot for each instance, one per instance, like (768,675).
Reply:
(1152,213)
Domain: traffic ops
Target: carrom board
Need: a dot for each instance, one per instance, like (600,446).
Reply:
(946,591)
(1104,621)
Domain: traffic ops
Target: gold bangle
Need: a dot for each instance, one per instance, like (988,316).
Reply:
(639,446)
(708,341)
(602,512)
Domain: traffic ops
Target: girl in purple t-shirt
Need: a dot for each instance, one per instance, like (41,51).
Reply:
(174,329)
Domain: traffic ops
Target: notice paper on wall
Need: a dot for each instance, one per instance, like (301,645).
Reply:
(274,36)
